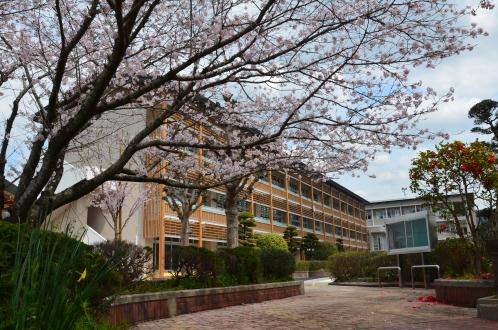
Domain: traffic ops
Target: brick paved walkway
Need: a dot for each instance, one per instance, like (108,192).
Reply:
(333,307)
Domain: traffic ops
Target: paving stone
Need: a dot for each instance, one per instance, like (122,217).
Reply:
(334,307)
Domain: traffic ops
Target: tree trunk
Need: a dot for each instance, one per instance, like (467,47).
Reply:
(232,225)
(120,224)
(185,231)
(116,228)
(232,213)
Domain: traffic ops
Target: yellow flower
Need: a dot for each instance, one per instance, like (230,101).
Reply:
(82,276)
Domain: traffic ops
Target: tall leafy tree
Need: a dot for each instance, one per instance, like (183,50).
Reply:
(455,168)
(485,115)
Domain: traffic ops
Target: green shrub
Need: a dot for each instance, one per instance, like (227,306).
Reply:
(243,263)
(457,257)
(277,264)
(303,265)
(315,265)
(271,241)
(323,250)
(351,265)
(197,263)
(132,261)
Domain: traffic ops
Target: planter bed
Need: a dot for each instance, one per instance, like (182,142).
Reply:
(158,305)
(462,293)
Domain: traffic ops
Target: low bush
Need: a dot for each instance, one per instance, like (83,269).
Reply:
(323,250)
(132,262)
(271,241)
(243,263)
(277,264)
(458,257)
(302,266)
(197,263)
(351,265)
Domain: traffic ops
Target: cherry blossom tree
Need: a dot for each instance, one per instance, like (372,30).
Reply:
(329,80)
(118,202)
(184,201)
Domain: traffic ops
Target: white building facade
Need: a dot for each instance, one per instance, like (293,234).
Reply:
(408,226)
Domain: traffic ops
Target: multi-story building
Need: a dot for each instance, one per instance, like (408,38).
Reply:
(408,225)
(326,209)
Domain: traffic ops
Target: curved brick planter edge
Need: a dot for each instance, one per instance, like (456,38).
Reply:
(462,293)
(158,305)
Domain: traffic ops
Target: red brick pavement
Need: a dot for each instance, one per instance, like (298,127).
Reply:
(334,307)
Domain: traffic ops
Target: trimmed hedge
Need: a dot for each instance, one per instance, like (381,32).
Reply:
(271,241)
(243,263)
(324,250)
(351,265)
(312,265)
(198,263)
(277,264)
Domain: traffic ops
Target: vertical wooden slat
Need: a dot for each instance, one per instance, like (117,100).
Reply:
(271,200)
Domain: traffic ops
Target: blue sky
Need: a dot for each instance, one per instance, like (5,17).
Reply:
(474,75)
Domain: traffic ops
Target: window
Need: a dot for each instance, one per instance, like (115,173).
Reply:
(344,207)
(294,220)
(294,186)
(326,199)
(307,223)
(393,212)
(369,215)
(243,206)
(408,209)
(377,242)
(407,234)
(262,211)
(350,210)
(278,180)
(379,214)
(263,177)
(305,191)
(336,204)
(318,226)
(328,228)
(338,230)
(362,214)
(214,199)
(317,196)
(279,216)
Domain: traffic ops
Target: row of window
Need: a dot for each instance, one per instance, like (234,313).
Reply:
(392,212)
(217,200)
(335,203)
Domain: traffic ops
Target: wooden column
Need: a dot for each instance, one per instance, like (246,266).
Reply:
(301,206)
(313,206)
(323,217)
(287,209)
(161,234)
(251,197)
(199,201)
(271,201)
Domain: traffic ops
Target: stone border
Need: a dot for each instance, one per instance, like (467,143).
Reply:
(156,305)
(464,293)
(487,308)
